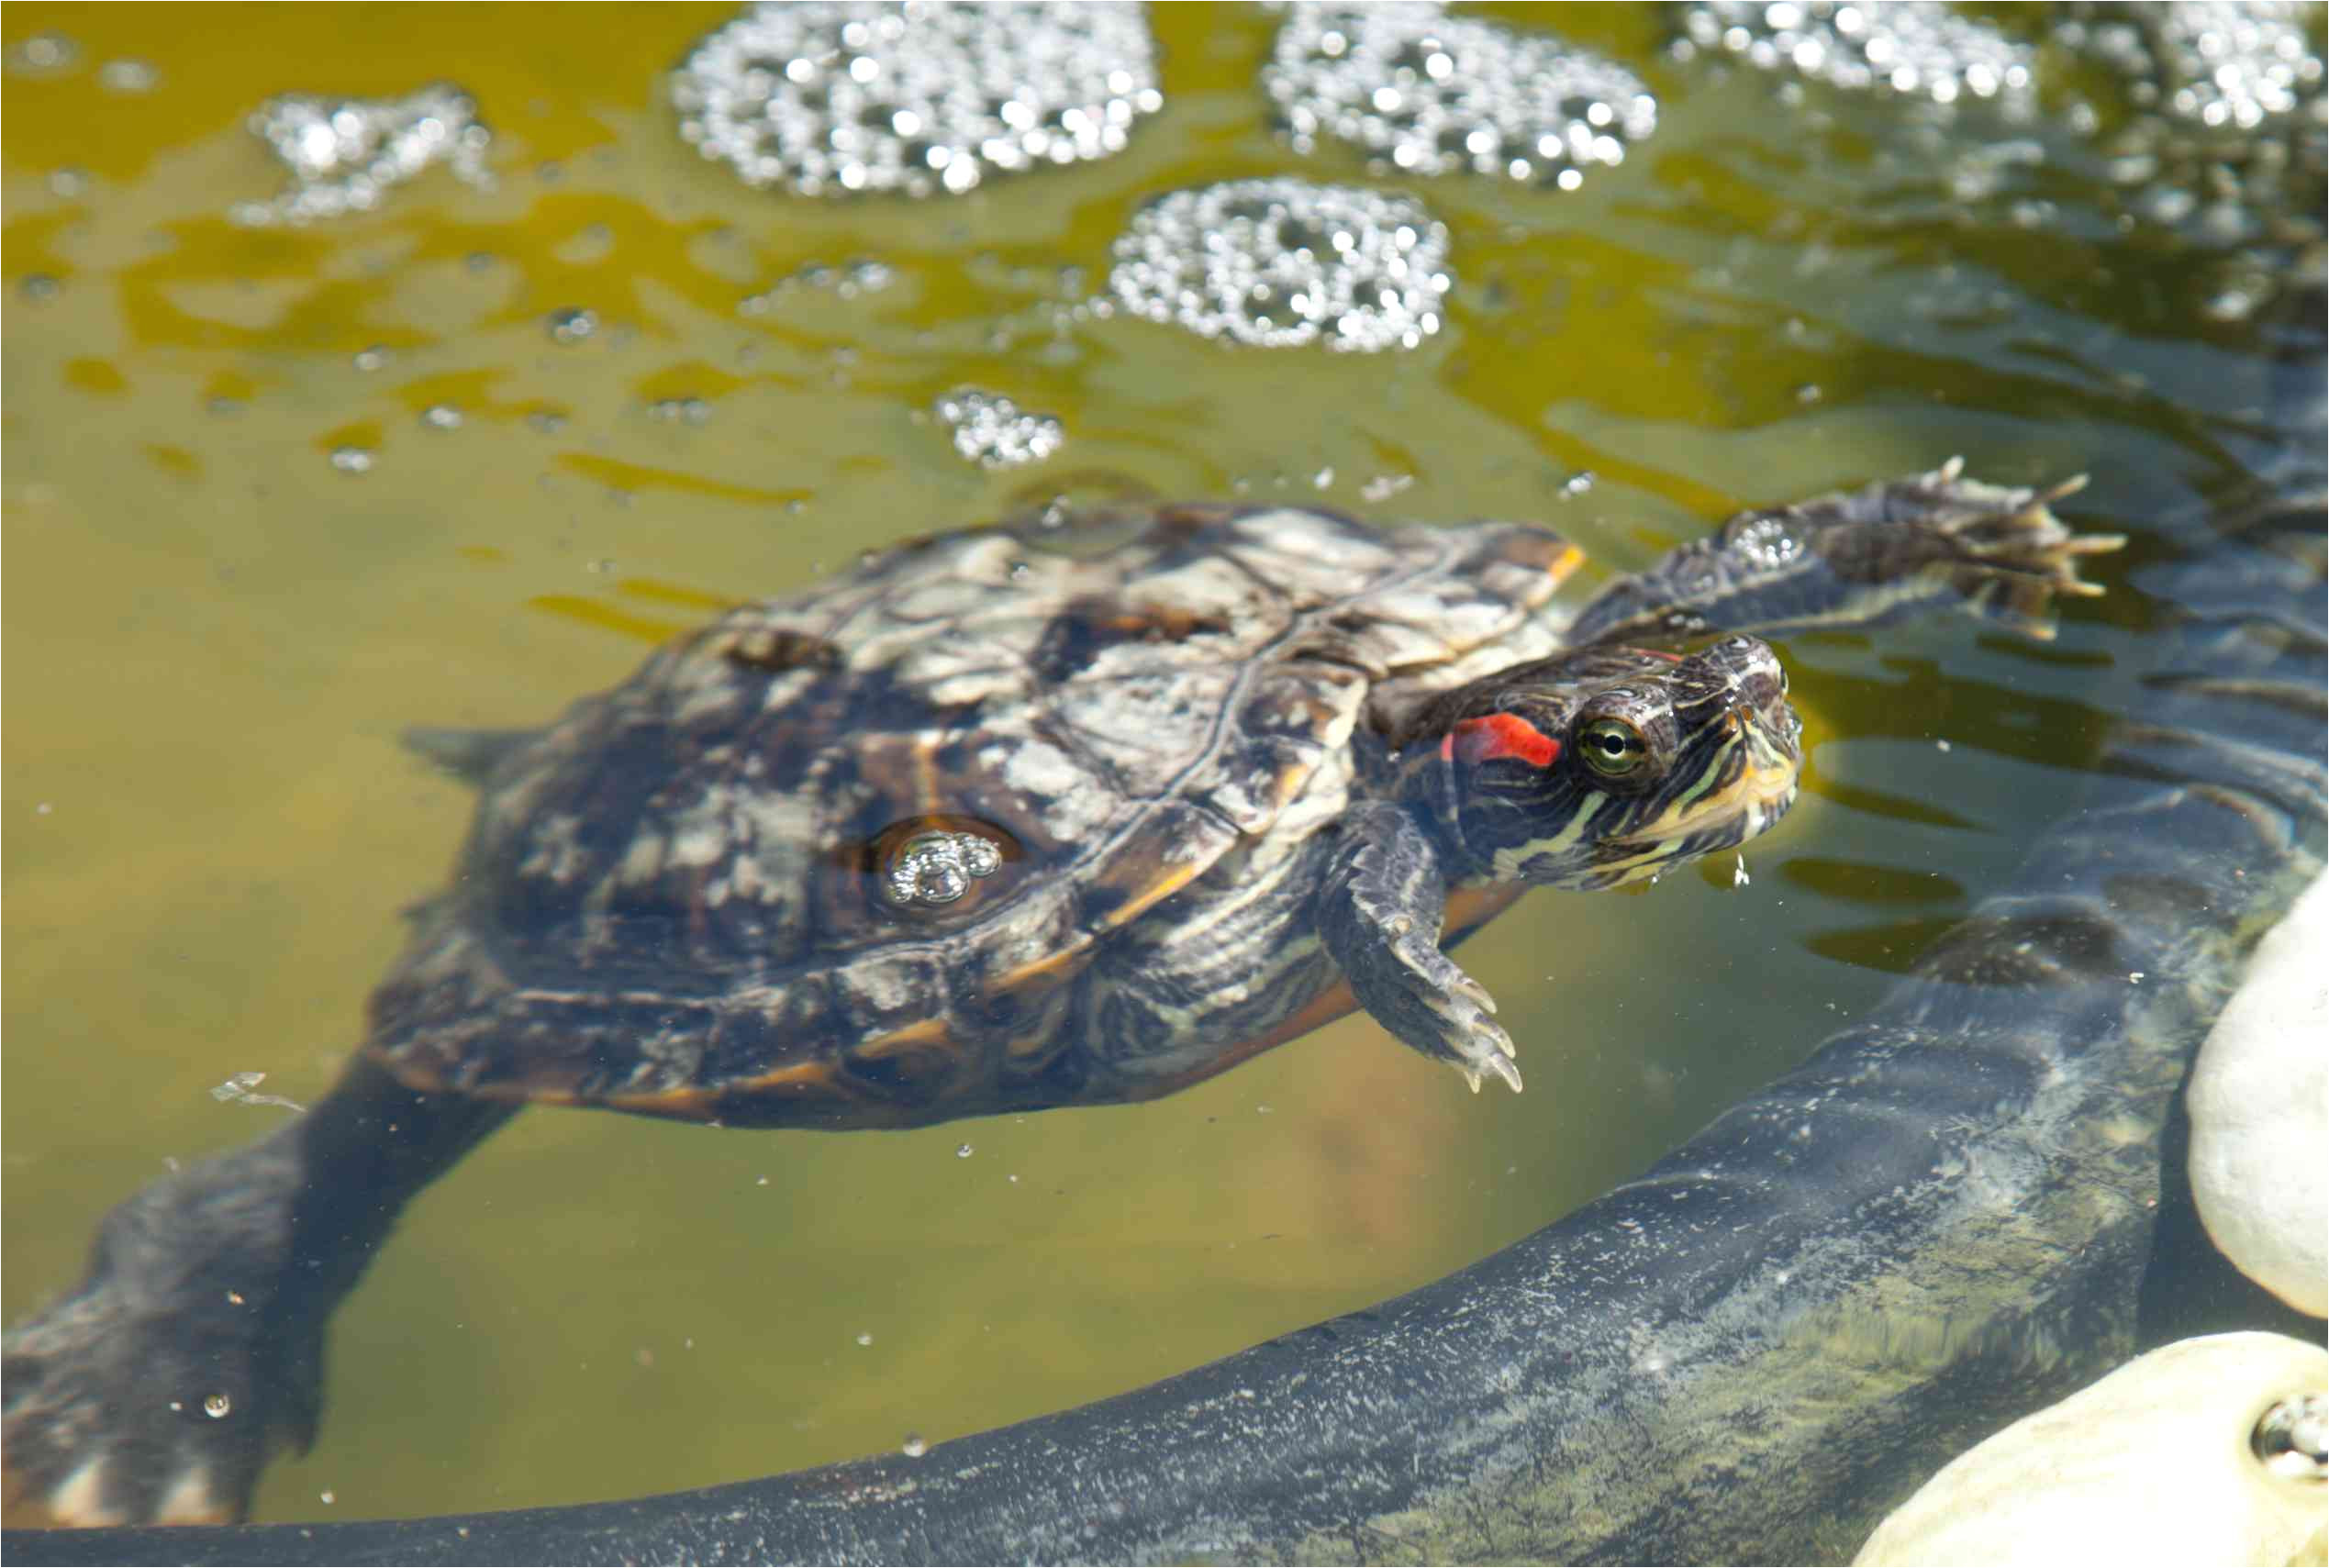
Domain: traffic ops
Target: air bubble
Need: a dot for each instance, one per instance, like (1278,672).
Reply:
(345,155)
(1427,92)
(570,326)
(1281,263)
(993,431)
(938,866)
(826,97)
(130,76)
(1906,47)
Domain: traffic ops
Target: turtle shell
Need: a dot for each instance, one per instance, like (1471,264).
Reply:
(684,898)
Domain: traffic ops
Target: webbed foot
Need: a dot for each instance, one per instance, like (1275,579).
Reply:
(156,1391)
(1428,1002)
(1379,915)
(2012,554)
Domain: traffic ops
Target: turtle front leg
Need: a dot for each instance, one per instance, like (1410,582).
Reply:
(1378,915)
(1931,541)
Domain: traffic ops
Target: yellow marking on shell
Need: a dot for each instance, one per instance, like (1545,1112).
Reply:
(928,1032)
(1020,1047)
(926,786)
(1564,564)
(1167,884)
(694,1103)
(687,1103)
(1046,970)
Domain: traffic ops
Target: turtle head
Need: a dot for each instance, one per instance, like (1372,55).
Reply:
(1608,765)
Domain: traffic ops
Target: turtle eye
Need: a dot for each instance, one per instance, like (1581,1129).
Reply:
(1612,747)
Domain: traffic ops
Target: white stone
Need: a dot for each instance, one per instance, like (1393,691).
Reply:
(2259,1103)
(2151,1465)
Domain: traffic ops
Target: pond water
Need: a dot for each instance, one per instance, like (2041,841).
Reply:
(243,556)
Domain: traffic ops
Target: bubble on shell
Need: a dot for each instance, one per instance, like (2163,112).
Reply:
(936,868)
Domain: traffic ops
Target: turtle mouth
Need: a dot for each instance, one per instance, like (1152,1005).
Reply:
(1745,782)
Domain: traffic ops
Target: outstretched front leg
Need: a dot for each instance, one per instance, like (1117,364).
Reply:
(1378,914)
(1935,541)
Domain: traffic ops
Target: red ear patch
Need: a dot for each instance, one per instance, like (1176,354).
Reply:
(1501,735)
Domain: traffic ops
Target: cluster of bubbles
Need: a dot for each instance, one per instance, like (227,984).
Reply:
(829,96)
(2228,139)
(1279,262)
(861,276)
(1425,93)
(1909,47)
(2219,130)
(934,869)
(344,154)
(2207,64)
(993,431)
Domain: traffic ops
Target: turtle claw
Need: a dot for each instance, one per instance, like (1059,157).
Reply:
(1503,1066)
(1444,1013)
(1380,919)
(2008,556)
(1476,992)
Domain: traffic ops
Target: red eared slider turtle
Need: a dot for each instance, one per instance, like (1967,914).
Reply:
(996,821)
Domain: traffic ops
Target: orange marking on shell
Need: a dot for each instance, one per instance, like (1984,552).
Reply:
(1047,971)
(1165,886)
(691,1103)
(686,1105)
(1501,735)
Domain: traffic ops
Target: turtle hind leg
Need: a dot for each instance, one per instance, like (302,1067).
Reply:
(144,1396)
(158,1389)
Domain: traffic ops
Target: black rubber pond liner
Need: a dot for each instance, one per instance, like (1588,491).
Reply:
(1750,1352)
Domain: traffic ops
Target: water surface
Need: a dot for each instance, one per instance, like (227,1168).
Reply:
(214,634)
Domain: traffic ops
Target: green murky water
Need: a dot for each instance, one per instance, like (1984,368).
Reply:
(213,637)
